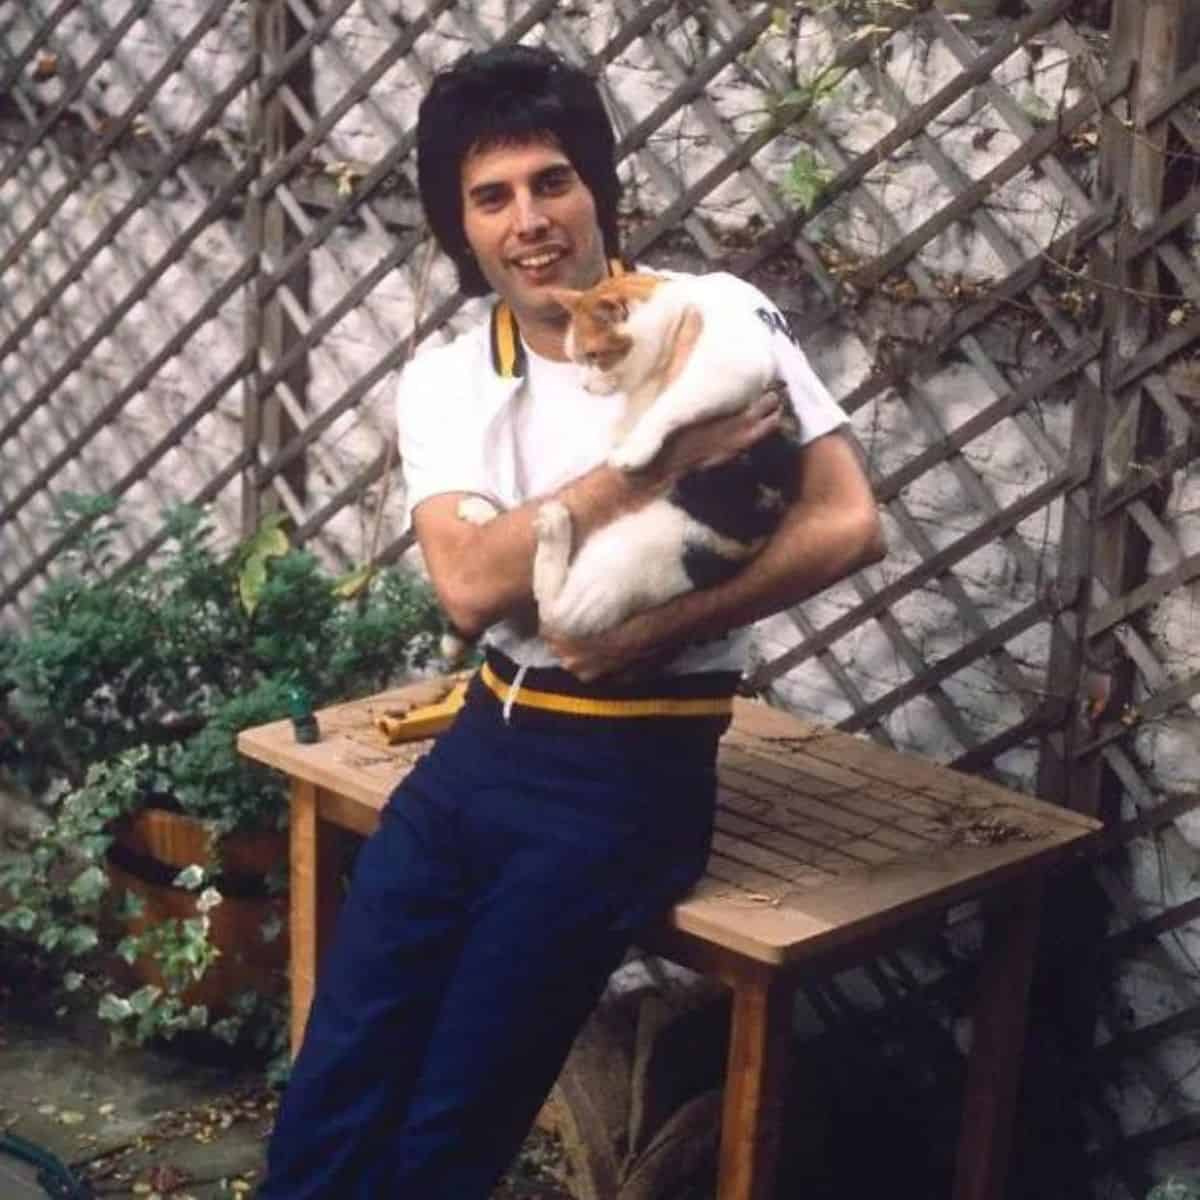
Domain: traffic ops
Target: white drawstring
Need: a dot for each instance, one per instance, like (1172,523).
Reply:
(511,698)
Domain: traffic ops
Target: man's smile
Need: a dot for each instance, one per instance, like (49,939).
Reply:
(537,261)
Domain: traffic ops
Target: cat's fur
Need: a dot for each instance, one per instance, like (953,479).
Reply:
(624,331)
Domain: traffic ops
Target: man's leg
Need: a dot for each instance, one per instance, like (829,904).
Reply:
(398,935)
(549,929)
(507,1024)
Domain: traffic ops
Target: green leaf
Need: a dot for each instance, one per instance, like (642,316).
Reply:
(226,1029)
(79,939)
(806,179)
(89,886)
(129,949)
(196,1018)
(190,877)
(252,578)
(20,919)
(144,998)
(346,587)
(267,543)
(113,1007)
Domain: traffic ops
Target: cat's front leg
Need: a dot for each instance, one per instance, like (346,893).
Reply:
(552,558)
(638,448)
(475,510)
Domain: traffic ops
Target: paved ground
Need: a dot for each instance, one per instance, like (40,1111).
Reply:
(145,1123)
(149,1123)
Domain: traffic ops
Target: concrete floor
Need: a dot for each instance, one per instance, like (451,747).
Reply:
(149,1123)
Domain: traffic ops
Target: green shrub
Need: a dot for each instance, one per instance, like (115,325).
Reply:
(129,688)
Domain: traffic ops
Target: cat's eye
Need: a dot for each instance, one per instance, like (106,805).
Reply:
(612,311)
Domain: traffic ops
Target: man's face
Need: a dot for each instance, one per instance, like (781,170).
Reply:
(531,223)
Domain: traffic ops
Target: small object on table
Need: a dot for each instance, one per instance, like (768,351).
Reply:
(403,723)
(304,721)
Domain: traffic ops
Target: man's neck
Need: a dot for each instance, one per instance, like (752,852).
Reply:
(544,338)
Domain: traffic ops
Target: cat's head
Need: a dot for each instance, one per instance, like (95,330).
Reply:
(598,335)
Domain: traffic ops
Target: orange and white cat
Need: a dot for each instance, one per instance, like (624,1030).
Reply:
(625,332)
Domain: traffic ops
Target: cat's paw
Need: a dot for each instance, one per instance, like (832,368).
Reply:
(633,453)
(475,510)
(581,613)
(599,383)
(552,523)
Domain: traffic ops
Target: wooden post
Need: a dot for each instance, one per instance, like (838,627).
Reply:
(270,329)
(997,1044)
(312,898)
(1107,556)
(755,1078)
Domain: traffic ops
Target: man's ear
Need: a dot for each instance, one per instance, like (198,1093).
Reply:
(567,298)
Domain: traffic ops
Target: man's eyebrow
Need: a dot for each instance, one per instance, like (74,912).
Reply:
(488,186)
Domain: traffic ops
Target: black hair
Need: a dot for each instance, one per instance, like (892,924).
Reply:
(510,94)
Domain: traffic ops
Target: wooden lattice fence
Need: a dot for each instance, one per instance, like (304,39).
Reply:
(212,262)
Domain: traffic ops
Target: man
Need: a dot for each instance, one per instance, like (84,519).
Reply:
(570,805)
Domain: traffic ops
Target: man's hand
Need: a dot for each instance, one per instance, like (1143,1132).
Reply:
(628,648)
(718,440)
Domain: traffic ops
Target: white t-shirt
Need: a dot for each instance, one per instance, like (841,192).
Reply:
(465,427)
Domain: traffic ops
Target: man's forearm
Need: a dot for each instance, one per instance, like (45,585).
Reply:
(830,531)
(484,572)
(810,553)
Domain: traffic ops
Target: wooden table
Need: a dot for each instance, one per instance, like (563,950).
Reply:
(826,845)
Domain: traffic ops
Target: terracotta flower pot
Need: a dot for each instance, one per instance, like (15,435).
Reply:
(152,846)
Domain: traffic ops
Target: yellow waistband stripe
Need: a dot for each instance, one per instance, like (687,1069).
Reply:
(584,706)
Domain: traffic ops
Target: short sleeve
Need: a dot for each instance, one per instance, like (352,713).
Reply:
(817,412)
(440,448)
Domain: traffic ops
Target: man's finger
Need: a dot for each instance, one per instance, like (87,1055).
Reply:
(771,401)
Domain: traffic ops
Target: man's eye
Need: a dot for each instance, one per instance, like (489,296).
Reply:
(555,183)
(489,200)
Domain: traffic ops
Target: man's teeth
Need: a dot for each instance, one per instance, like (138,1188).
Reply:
(540,260)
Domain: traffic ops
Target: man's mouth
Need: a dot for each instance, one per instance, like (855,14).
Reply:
(538,261)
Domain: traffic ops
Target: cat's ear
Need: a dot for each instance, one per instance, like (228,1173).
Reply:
(567,298)
(611,312)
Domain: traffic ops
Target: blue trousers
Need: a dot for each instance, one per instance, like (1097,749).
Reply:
(508,875)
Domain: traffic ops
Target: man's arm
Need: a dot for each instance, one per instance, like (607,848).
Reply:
(483,573)
(830,530)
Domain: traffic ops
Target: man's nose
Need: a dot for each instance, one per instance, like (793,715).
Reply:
(530,218)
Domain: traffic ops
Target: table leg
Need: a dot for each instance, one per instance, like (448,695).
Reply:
(997,1043)
(756,1072)
(313,899)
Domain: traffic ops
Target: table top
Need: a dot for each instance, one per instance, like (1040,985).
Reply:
(821,837)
